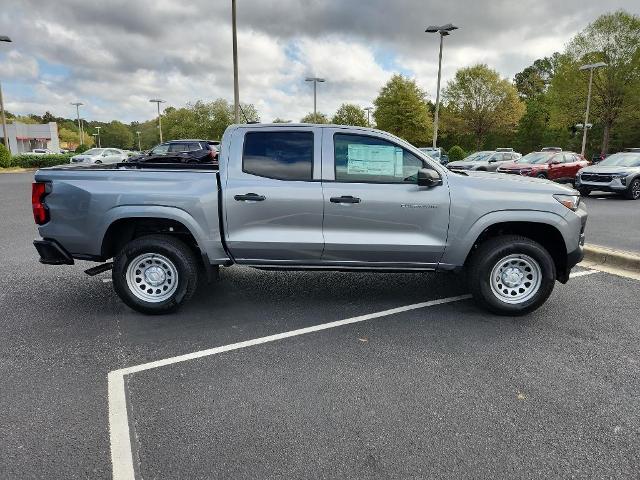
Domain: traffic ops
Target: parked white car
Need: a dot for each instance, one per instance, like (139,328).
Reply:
(39,151)
(100,155)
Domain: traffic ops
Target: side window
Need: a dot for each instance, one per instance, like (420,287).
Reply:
(160,149)
(570,158)
(178,147)
(363,159)
(279,155)
(193,147)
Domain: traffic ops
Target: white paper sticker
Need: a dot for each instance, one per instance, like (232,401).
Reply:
(383,160)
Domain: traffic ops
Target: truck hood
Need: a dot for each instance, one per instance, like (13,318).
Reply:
(510,183)
(609,169)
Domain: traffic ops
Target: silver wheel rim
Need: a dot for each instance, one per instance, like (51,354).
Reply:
(515,278)
(152,277)
(635,189)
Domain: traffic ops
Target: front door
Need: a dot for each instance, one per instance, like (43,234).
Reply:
(273,198)
(374,211)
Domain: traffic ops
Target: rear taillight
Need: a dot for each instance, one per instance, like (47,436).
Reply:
(39,190)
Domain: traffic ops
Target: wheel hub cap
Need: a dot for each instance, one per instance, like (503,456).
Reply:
(515,278)
(154,276)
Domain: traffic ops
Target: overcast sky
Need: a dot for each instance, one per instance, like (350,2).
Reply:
(114,55)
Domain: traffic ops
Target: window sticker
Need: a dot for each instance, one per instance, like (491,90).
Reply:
(382,160)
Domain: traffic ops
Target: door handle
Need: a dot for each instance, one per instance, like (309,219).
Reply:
(344,199)
(249,197)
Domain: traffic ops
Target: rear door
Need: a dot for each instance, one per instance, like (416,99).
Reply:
(375,213)
(273,204)
(573,163)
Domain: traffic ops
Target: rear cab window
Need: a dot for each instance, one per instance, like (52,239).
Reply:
(279,155)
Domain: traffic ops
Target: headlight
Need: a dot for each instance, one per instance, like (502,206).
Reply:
(620,176)
(570,201)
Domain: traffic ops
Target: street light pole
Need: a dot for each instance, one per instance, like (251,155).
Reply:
(443,31)
(158,101)
(591,67)
(80,131)
(368,109)
(315,81)
(139,145)
(236,89)
(99,143)
(5,138)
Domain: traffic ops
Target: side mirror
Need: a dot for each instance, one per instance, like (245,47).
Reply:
(428,178)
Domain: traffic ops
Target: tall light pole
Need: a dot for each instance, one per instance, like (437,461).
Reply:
(139,144)
(99,143)
(80,130)
(158,101)
(443,31)
(315,81)
(236,89)
(4,38)
(368,110)
(591,67)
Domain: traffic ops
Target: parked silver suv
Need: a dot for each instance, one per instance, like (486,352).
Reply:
(619,173)
(487,160)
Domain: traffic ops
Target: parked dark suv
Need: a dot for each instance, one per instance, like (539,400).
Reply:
(181,151)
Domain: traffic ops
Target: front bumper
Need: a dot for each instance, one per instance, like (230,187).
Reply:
(52,253)
(615,185)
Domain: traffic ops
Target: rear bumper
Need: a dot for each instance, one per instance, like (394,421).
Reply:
(52,253)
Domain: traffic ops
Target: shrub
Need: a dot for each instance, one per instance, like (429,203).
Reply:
(82,148)
(456,153)
(39,161)
(5,157)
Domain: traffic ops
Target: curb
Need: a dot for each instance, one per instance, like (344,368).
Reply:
(17,170)
(610,257)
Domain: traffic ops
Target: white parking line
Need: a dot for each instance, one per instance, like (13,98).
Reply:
(120,436)
(107,280)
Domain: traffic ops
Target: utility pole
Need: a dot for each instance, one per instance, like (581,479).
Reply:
(591,67)
(368,109)
(315,81)
(99,144)
(158,101)
(443,31)
(5,138)
(80,130)
(139,145)
(236,89)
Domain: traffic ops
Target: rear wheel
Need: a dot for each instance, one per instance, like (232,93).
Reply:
(541,175)
(155,274)
(633,192)
(511,275)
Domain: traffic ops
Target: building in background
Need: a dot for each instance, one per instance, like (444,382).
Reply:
(24,137)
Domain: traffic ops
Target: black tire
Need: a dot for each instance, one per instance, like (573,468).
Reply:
(584,191)
(174,255)
(490,254)
(541,175)
(633,192)
(98,161)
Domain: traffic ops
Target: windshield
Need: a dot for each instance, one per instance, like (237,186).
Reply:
(93,151)
(622,160)
(536,157)
(478,157)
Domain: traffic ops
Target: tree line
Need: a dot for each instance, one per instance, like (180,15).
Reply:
(540,107)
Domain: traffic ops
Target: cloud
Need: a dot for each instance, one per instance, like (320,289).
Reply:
(117,54)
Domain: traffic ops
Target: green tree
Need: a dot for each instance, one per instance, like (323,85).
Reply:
(612,38)
(318,117)
(478,102)
(5,157)
(280,120)
(456,153)
(534,80)
(350,114)
(116,134)
(401,109)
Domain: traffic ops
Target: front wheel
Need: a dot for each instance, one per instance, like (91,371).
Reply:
(511,275)
(633,192)
(155,274)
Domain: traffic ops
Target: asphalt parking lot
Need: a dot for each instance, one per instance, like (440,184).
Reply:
(435,391)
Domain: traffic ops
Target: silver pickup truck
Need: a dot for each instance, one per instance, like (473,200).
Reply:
(316,197)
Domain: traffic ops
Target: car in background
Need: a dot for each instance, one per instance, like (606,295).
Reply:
(40,151)
(100,155)
(436,153)
(487,160)
(551,149)
(550,164)
(181,151)
(598,157)
(619,173)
